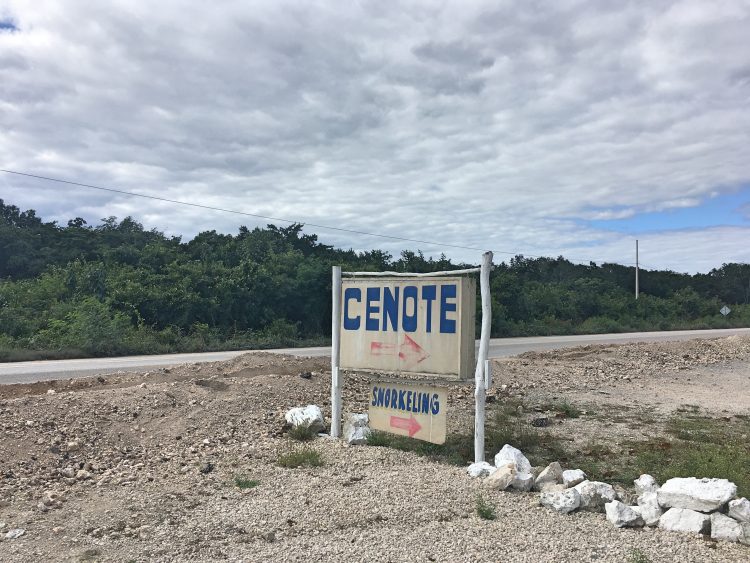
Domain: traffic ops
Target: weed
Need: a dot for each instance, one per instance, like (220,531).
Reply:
(637,556)
(484,509)
(301,433)
(300,457)
(244,482)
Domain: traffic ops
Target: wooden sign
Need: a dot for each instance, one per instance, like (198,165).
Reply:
(413,410)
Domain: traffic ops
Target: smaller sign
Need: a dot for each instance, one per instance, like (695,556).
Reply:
(413,410)
(725,310)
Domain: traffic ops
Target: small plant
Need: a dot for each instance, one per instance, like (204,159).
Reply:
(484,509)
(244,482)
(301,433)
(570,411)
(300,457)
(637,556)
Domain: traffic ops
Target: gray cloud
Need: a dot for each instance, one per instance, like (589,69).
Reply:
(529,118)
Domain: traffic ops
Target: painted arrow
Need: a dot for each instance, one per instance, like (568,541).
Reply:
(409,351)
(409,424)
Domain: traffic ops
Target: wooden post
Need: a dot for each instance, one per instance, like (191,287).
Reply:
(336,353)
(484,344)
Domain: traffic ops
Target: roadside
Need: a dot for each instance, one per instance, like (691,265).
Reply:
(182,463)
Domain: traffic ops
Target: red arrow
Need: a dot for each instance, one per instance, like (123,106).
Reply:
(409,352)
(409,424)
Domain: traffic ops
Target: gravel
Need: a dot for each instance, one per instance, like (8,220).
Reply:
(159,463)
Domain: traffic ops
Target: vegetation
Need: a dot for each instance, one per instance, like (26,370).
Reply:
(116,288)
(484,509)
(301,433)
(637,556)
(300,457)
(245,482)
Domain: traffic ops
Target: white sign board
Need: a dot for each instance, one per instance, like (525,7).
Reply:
(725,310)
(413,410)
(413,325)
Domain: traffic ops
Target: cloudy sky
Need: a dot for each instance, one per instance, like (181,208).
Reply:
(542,128)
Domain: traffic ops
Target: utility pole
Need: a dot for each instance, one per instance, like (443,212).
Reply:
(636,268)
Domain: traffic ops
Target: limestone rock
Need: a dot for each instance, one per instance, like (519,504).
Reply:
(356,429)
(311,416)
(649,509)
(522,481)
(745,537)
(571,477)
(740,509)
(594,495)
(685,520)
(704,495)
(550,475)
(563,502)
(481,469)
(509,454)
(622,515)
(14,533)
(502,477)
(645,484)
(725,528)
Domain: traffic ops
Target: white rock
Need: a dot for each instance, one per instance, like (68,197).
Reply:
(522,481)
(74,446)
(725,528)
(502,477)
(594,495)
(622,516)
(649,509)
(311,416)
(571,477)
(356,429)
(481,469)
(745,537)
(68,472)
(550,475)
(563,502)
(51,392)
(645,484)
(685,520)
(740,509)
(14,533)
(704,495)
(509,454)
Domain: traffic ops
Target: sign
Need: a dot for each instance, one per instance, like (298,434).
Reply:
(418,325)
(725,310)
(413,410)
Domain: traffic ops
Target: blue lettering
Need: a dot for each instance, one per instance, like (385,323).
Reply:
(409,322)
(401,405)
(446,325)
(381,397)
(375,396)
(387,398)
(408,400)
(356,294)
(373,295)
(429,293)
(425,403)
(394,399)
(390,308)
(435,404)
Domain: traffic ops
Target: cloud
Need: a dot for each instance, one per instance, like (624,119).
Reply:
(491,126)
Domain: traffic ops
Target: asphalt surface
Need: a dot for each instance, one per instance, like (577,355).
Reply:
(29,372)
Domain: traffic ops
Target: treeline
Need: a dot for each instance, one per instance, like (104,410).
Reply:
(115,288)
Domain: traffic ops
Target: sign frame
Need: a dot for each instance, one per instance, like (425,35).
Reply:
(482,375)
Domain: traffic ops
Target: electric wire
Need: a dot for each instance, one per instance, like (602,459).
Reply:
(290,221)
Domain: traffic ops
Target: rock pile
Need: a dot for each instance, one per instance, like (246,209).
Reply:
(703,506)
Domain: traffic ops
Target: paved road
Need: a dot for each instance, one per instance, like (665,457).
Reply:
(28,372)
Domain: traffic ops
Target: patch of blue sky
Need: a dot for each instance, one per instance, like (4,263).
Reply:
(723,210)
(8,25)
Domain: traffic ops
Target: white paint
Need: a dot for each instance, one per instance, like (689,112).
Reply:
(336,353)
(480,377)
(407,275)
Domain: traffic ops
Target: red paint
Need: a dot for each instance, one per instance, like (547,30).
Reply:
(409,352)
(409,424)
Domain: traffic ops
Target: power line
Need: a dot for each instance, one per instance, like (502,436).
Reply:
(290,221)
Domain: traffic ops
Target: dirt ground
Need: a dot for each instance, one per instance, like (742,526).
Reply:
(143,467)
